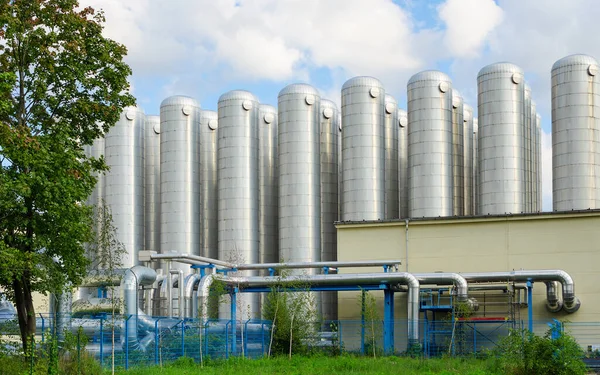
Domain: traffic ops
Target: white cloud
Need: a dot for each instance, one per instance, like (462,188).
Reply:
(468,24)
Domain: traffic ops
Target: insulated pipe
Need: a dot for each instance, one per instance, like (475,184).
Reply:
(190,282)
(553,303)
(462,288)
(195,259)
(132,279)
(570,302)
(323,280)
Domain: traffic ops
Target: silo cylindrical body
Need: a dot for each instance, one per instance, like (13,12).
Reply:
(539,169)
(468,159)
(458,173)
(363,149)
(299,174)
(238,192)
(575,133)
(152,186)
(528,143)
(180,204)
(340,188)
(330,132)
(124,182)
(268,135)
(533,157)
(430,161)
(475,206)
(391,130)
(502,184)
(209,124)
(403,163)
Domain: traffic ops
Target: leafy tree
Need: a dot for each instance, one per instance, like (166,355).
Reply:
(61,80)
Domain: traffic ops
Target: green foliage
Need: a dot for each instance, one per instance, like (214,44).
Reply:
(63,85)
(323,365)
(291,307)
(372,324)
(524,353)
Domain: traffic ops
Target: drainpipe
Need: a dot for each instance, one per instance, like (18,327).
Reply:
(570,302)
(406,245)
(390,278)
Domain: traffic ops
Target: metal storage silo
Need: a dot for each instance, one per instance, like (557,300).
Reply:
(339,122)
(468,159)
(299,174)
(152,186)
(124,182)
(403,163)
(209,123)
(532,179)
(180,204)
(238,193)
(501,139)
(391,130)
(575,133)
(330,130)
(430,176)
(458,184)
(538,122)
(475,206)
(363,149)
(268,184)
(527,140)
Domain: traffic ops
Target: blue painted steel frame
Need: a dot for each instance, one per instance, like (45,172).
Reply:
(530,305)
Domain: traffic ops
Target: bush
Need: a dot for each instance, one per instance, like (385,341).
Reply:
(524,353)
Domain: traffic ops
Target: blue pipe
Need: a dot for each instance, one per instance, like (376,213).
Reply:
(530,304)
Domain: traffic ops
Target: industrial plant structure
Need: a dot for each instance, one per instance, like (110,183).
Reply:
(444,185)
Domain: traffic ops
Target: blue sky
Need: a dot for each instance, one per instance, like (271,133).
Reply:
(204,48)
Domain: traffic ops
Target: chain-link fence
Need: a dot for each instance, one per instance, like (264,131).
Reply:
(130,341)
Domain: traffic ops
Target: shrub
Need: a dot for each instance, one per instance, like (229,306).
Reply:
(524,353)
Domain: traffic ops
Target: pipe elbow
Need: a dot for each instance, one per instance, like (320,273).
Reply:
(571,304)
(554,306)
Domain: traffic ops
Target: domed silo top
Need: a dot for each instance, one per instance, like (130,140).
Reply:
(515,72)
(578,59)
(429,76)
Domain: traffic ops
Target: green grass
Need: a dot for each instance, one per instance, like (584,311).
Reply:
(323,365)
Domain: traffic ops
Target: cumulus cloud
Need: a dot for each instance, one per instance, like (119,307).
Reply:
(468,24)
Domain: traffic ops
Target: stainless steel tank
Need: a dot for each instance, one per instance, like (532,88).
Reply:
(339,122)
(363,149)
(468,159)
(238,192)
(124,182)
(268,184)
(458,173)
(180,206)
(475,207)
(501,139)
(209,124)
(532,157)
(527,139)
(330,130)
(391,130)
(299,174)
(575,133)
(152,187)
(430,177)
(403,163)
(538,123)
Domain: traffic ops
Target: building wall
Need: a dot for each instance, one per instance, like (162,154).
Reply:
(567,241)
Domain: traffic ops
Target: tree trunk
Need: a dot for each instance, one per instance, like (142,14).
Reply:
(25,310)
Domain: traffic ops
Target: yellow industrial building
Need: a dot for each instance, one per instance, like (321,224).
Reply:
(568,241)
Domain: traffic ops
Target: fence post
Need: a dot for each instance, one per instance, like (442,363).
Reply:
(127,342)
(43,321)
(156,343)
(79,351)
(101,342)
(183,338)
(362,322)
(234,319)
